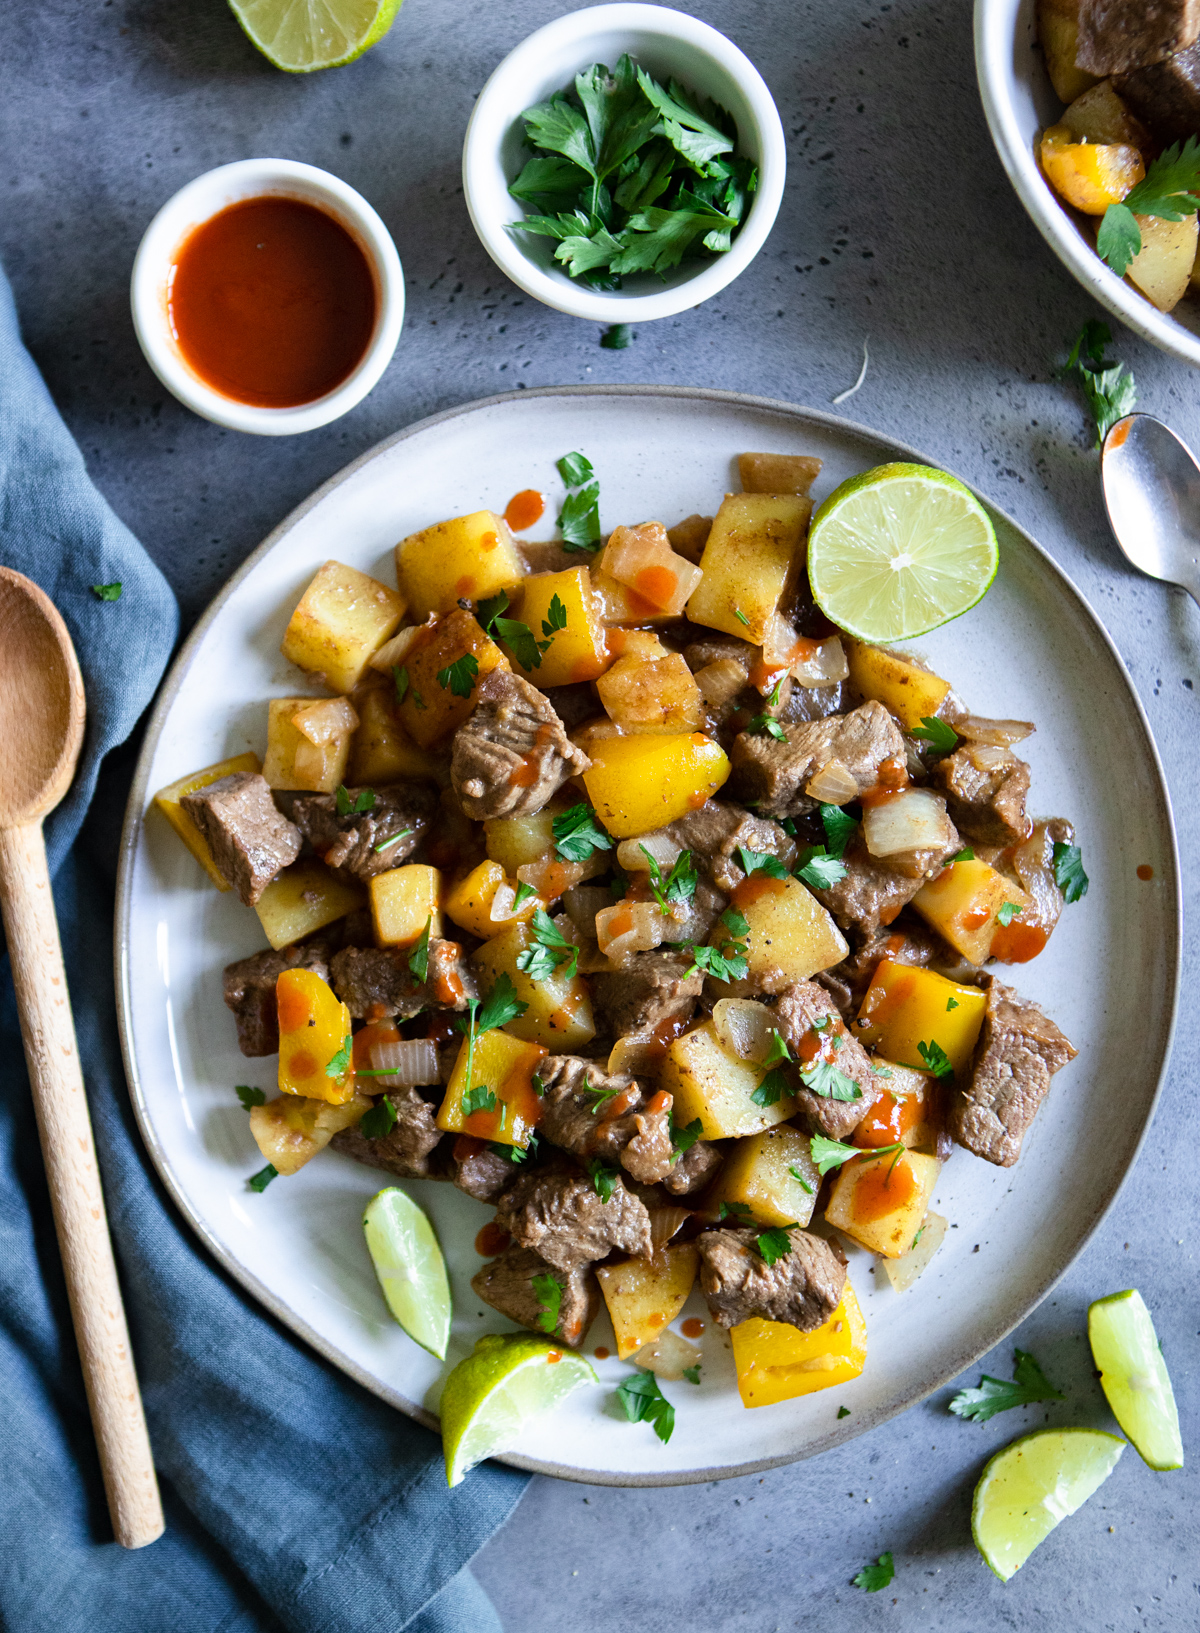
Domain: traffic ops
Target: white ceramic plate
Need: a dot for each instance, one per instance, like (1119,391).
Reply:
(1032,649)
(1019,102)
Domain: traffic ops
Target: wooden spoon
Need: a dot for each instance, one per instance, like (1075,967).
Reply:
(41,727)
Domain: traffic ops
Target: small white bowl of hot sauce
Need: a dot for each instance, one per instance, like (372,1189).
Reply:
(267,296)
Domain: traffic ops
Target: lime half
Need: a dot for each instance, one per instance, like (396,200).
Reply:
(410,1267)
(1133,1375)
(300,37)
(495,1392)
(899,550)
(1030,1486)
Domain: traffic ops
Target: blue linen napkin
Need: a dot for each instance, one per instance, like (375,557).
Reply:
(294,1499)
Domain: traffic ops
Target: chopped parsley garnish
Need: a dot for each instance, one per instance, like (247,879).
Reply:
(942,739)
(1068,871)
(735,1210)
(1107,385)
(881,1071)
(601,1096)
(1007,912)
(536,1084)
(741,617)
(394,840)
(604,1178)
(775,1244)
(363,801)
(1170,190)
(575,470)
(418,959)
(843,1412)
(380,1120)
(683,1139)
(917,1238)
(514,1153)
(824,1079)
(800,1179)
(459,677)
(550,949)
(556,617)
(490,609)
(1000,1395)
(499,1007)
(112,592)
(936,1059)
(964,855)
(774,1085)
(548,1292)
(819,870)
(480,1098)
(644,1402)
(340,1064)
(761,862)
(872,1578)
(766,722)
(839,828)
(520,637)
(951,1003)
(250,1097)
(576,834)
(829,1154)
(616,337)
(579,518)
(729,963)
(260,1181)
(400,681)
(677,886)
(524,892)
(692,1374)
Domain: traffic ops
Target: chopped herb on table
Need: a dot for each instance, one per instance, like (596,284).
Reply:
(1107,385)
(994,1395)
(644,1402)
(874,1577)
(692,1374)
(616,337)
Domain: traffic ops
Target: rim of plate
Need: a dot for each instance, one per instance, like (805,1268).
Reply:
(978,1345)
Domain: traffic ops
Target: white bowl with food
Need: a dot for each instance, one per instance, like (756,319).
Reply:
(669,46)
(1029,80)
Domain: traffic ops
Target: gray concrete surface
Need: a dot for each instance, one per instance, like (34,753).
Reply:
(898,226)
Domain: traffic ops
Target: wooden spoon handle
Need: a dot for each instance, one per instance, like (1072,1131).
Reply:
(70,1156)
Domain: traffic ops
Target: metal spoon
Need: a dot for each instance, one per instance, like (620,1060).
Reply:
(1152,494)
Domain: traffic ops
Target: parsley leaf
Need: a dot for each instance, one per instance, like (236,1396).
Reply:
(800,1179)
(577,835)
(340,1063)
(616,337)
(550,949)
(774,1085)
(819,870)
(767,722)
(480,1098)
(682,125)
(459,677)
(418,959)
(761,862)
(250,1097)
(1068,871)
(692,1374)
(604,1178)
(936,1059)
(655,240)
(548,1291)
(843,1412)
(556,617)
(363,801)
(1007,912)
(735,1210)
(514,1153)
(400,680)
(394,840)
(678,886)
(951,1003)
(644,1402)
(683,1139)
(601,1096)
(829,1154)
(729,962)
(1108,386)
(107,592)
(775,1244)
(500,1006)
(579,519)
(839,828)
(964,855)
(260,1181)
(1170,190)
(524,892)
(1001,1395)
(490,609)
(526,647)
(575,470)
(826,1080)
(874,1577)
(943,739)
(380,1120)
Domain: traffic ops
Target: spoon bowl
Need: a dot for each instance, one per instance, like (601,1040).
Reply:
(41,702)
(1152,494)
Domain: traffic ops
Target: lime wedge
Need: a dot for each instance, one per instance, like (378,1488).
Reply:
(1133,1375)
(300,37)
(493,1394)
(1030,1486)
(410,1267)
(899,550)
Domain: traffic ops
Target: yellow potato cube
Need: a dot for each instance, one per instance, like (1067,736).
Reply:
(756,547)
(1089,175)
(293,760)
(291,1130)
(905,1006)
(514,841)
(403,901)
(560,1007)
(773,1174)
(465,559)
(577,652)
(482,902)
(1162,267)
(777,1362)
(340,620)
(881,1201)
(1100,115)
(304,898)
(778,473)
(645,1295)
(1058,35)
(314,1028)
(381,751)
(167,799)
(910,692)
(490,1093)
(641,783)
(431,707)
(791,936)
(962,901)
(708,1081)
(659,697)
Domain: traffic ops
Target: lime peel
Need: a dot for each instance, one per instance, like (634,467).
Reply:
(1134,1377)
(1033,1485)
(300,37)
(410,1267)
(490,1397)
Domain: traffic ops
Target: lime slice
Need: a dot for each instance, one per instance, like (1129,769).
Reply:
(1133,1375)
(300,37)
(899,550)
(410,1267)
(493,1394)
(1030,1486)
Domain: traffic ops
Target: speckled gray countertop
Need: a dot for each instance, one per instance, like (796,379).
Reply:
(898,227)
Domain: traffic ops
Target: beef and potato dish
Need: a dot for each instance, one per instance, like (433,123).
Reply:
(622,891)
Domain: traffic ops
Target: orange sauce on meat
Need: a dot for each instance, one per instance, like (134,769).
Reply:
(1145,871)
(526,774)
(491,1240)
(692,1327)
(523,509)
(882,1188)
(272,302)
(1017,943)
(889,1119)
(657,584)
(619,1105)
(294,1008)
(892,779)
(756,887)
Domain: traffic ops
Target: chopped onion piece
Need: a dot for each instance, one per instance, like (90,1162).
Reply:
(744,1027)
(721,680)
(902,1272)
(630,927)
(833,784)
(550,877)
(394,652)
(638,1055)
(325,718)
(410,1061)
(915,820)
(824,666)
(661,846)
(668,1355)
(665,1223)
(641,558)
(1002,733)
(583,902)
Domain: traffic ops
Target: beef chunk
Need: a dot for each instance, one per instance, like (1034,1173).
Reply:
(351,844)
(908,940)
(985,790)
(647,1157)
(250,991)
(693,1169)
(1116,36)
(652,990)
(874,889)
(577,1117)
(714,833)
(480,1171)
(374,981)
(507,1285)
(813,702)
(1166,95)
(1018,1052)
(406,1147)
(812,1027)
(839,989)
(563,1218)
(512,754)
(803,1288)
(773,773)
(250,840)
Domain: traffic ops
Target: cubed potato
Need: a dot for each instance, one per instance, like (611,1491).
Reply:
(777,1362)
(962,901)
(881,1201)
(431,709)
(167,800)
(773,1174)
(645,1295)
(910,692)
(710,1082)
(1089,175)
(466,559)
(482,902)
(381,751)
(1163,266)
(560,1007)
(291,1130)
(577,652)
(341,619)
(791,936)
(1101,115)
(314,1026)
(641,558)
(1058,34)
(905,1006)
(304,898)
(660,697)
(644,782)
(756,548)
(907,1109)
(403,901)
(778,473)
(514,841)
(293,760)
(902,1272)
(504,1066)
(618,604)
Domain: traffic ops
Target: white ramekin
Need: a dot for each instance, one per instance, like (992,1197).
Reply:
(667,44)
(198,202)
